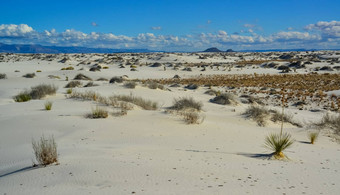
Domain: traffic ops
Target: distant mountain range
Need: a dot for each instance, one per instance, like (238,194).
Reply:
(30,48)
(18,48)
(214,49)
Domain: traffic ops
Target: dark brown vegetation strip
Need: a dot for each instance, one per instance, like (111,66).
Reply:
(311,82)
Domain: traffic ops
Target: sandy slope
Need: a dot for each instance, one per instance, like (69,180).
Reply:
(150,152)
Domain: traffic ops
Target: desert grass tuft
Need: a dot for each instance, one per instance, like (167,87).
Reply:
(330,121)
(73,84)
(225,99)
(82,77)
(48,105)
(313,136)
(278,143)
(258,114)
(192,117)
(98,113)
(130,85)
(45,150)
(22,97)
(29,75)
(145,104)
(42,90)
(186,103)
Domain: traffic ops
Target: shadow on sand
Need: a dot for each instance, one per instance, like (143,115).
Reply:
(29,168)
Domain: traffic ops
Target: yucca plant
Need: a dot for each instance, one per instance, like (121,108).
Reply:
(313,136)
(48,105)
(278,143)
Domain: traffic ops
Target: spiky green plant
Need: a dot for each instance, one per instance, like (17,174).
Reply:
(278,143)
(313,136)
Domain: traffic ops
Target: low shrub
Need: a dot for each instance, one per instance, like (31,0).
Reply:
(145,104)
(98,113)
(258,114)
(130,85)
(191,117)
(22,97)
(68,68)
(3,76)
(225,99)
(82,77)
(330,121)
(91,84)
(154,85)
(40,91)
(186,103)
(29,75)
(73,84)
(116,80)
(45,151)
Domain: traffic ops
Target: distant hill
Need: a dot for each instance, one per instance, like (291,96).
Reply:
(18,48)
(212,49)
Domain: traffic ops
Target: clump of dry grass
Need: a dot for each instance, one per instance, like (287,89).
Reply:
(130,85)
(29,75)
(331,122)
(154,85)
(91,84)
(36,92)
(45,151)
(88,95)
(116,80)
(40,91)
(98,113)
(192,117)
(225,99)
(186,103)
(73,84)
(145,104)
(188,108)
(313,136)
(82,77)
(258,114)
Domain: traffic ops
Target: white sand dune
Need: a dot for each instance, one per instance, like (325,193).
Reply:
(151,152)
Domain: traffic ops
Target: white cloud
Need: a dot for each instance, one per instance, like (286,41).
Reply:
(323,34)
(328,29)
(13,30)
(294,36)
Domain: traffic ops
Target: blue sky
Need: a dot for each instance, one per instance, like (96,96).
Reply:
(187,25)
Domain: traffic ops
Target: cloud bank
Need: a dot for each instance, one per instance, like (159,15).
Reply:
(323,35)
